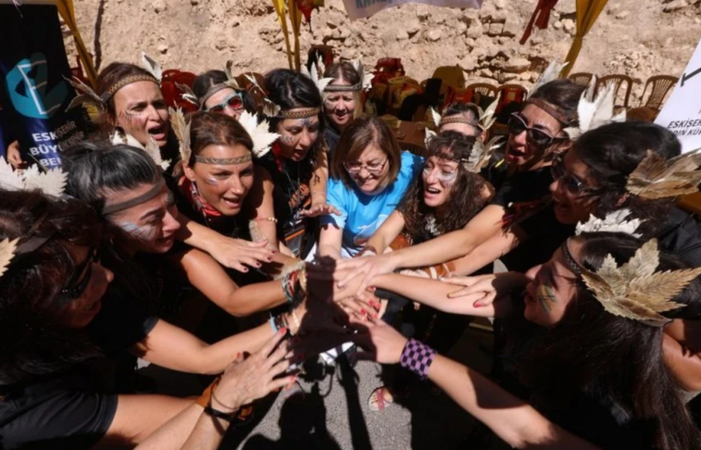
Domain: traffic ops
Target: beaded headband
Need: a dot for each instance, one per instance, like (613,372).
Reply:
(299,113)
(459,119)
(143,198)
(343,88)
(109,93)
(237,160)
(212,90)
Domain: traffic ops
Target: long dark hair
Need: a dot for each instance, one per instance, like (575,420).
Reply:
(95,169)
(465,195)
(289,90)
(564,95)
(31,343)
(616,361)
(612,152)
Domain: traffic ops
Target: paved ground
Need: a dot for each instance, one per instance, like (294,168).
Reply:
(334,414)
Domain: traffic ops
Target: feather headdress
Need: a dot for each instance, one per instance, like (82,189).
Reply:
(552,72)
(269,108)
(480,154)
(657,178)
(485,117)
(366,76)
(7,252)
(151,148)
(189,95)
(595,112)
(261,137)
(317,78)
(50,182)
(635,290)
(152,67)
(614,222)
(181,128)
(86,95)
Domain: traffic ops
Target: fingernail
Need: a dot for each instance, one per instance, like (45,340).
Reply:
(238,355)
(270,259)
(283,330)
(374,315)
(363,312)
(478,305)
(259,265)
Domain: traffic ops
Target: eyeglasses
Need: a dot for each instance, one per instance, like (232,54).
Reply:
(79,282)
(233,101)
(373,168)
(518,125)
(572,184)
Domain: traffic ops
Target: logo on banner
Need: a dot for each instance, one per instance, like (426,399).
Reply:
(29,90)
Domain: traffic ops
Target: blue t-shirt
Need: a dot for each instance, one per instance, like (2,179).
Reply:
(362,214)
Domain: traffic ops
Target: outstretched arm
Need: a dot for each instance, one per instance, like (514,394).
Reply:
(388,231)
(205,274)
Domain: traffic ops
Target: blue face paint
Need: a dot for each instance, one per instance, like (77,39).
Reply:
(546,296)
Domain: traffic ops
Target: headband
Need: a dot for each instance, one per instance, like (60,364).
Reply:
(109,93)
(458,119)
(299,113)
(143,198)
(551,109)
(237,160)
(343,88)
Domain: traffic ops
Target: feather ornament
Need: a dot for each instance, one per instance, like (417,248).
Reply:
(429,135)
(51,182)
(635,290)
(231,79)
(595,112)
(487,117)
(614,222)
(480,154)
(366,76)
(86,95)
(188,94)
(181,128)
(552,72)
(151,148)
(261,137)
(318,80)
(7,252)
(656,178)
(152,67)
(435,117)
(269,108)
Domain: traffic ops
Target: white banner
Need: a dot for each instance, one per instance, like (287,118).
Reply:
(358,9)
(682,112)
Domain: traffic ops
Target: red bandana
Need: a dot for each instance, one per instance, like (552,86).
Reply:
(188,188)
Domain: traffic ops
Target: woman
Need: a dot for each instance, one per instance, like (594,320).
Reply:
(135,107)
(49,398)
(141,232)
(602,390)
(463,118)
(292,177)
(343,100)
(214,92)
(369,177)
(519,213)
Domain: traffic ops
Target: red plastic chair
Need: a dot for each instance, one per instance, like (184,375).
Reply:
(510,93)
(172,95)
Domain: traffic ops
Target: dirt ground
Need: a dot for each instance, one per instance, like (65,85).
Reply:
(639,38)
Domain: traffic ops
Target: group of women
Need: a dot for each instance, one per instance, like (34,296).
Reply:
(596,342)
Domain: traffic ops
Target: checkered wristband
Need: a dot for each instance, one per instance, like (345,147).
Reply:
(417,357)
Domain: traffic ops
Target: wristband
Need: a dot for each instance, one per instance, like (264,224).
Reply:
(206,396)
(219,414)
(417,357)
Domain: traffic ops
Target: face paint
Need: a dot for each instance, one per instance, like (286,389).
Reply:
(546,296)
(447,179)
(289,140)
(146,233)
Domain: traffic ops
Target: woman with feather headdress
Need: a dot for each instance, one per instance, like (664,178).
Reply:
(584,343)
(218,91)
(50,342)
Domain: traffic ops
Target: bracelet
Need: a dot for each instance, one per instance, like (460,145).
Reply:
(417,357)
(206,396)
(219,414)
(266,219)
(287,288)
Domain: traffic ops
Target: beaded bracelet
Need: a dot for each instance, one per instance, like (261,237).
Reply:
(417,357)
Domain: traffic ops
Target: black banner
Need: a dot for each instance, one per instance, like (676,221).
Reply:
(33,92)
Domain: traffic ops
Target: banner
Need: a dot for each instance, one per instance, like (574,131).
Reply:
(33,92)
(358,9)
(682,112)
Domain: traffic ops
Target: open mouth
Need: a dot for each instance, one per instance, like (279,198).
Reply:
(157,132)
(431,190)
(232,202)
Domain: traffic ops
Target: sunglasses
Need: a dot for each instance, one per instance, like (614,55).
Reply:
(517,125)
(78,283)
(233,101)
(571,184)
(373,168)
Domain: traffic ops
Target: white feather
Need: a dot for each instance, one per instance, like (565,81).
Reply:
(595,112)
(152,67)
(436,117)
(552,72)
(9,179)
(486,118)
(614,222)
(261,137)
(429,135)
(51,182)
